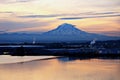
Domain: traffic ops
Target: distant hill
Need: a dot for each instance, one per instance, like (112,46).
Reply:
(63,33)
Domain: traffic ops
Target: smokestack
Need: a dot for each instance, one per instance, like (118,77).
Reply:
(34,40)
(92,42)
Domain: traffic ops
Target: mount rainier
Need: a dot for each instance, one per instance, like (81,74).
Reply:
(63,33)
(68,32)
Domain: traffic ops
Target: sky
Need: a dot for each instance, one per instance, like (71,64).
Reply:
(95,16)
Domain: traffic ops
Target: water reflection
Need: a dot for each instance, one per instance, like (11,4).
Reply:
(62,69)
(68,59)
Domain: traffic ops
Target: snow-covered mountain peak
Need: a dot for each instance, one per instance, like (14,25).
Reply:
(66,26)
(65,29)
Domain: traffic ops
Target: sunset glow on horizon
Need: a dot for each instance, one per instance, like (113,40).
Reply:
(93,16)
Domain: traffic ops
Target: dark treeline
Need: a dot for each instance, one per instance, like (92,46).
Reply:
(100,44)
(99,49)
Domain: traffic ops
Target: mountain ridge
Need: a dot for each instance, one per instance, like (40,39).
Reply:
(68,32)
(63,33)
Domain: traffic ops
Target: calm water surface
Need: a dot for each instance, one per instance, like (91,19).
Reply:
(62,69)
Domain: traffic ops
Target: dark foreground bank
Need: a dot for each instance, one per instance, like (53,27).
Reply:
(77,52)
(86,49)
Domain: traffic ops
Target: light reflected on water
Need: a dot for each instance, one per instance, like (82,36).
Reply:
(62,69)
